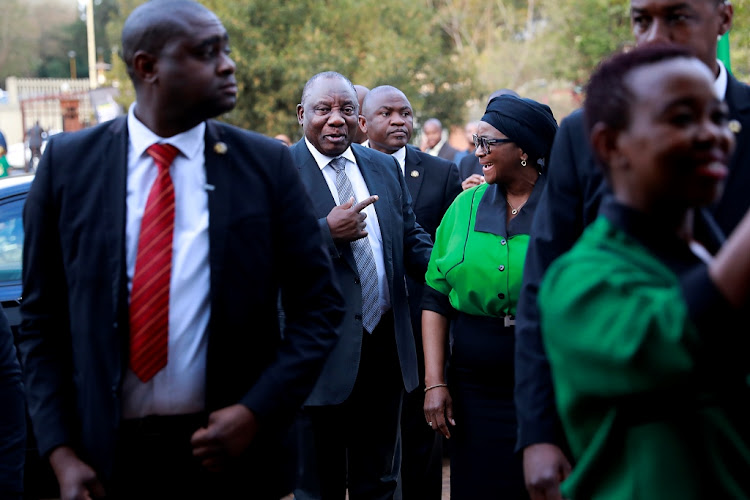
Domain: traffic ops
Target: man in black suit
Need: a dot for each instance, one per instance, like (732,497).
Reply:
(196,407)
(571,201)
(12,417)
(433,141)
(364,211)
(433,184)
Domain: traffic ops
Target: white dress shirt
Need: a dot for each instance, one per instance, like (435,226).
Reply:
(372,226)
(720,84)
(180,386)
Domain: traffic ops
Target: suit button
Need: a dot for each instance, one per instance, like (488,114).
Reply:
(501,268)
(500,295)
(356,281)
(115,325)
(503,242)
(358,317)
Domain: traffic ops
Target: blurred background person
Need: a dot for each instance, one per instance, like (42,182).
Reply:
(433,185)
(360,137)
(35,137)
(4,166)
(470,129)
(473,281)
(283,138)
(645,328)
(435,141)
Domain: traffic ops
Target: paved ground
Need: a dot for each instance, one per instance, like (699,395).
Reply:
(446,483)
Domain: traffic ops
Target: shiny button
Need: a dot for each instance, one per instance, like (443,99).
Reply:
(500,295)
(502,242)
(501,268)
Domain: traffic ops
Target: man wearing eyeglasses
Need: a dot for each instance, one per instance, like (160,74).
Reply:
(571,201)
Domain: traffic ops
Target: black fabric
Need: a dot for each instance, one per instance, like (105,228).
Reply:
(482,445)
(531,125)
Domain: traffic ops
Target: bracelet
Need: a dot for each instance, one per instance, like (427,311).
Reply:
(433,386)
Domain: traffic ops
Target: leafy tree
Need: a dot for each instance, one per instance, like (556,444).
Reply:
(277,46)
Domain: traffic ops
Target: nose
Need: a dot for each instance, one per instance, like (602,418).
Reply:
(397,119)
(716,134)
(226,65)
(658,32)
(479,151)
(336,118)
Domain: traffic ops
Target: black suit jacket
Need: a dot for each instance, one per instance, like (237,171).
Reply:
(447,152)
(262,237)
(468,166)
(406,249)
(569,203)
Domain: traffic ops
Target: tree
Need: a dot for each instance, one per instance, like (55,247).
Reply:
(277,46)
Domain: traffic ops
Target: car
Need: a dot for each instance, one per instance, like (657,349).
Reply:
(39,480)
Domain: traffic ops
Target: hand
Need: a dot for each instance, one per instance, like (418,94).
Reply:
(229,432)
(544,468)
(347,221)
(472,180)
(77,479)
(438,410)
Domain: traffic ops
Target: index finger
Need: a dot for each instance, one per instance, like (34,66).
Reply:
(364,203)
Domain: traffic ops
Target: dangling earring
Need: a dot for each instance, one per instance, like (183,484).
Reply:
(523,163)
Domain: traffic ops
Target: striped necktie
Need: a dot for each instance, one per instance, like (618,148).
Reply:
(149,296)
(363,256)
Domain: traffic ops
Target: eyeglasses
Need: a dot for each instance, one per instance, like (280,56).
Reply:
(485,143)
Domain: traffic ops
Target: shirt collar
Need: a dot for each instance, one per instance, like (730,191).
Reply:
(141,137)
(323,160)
(400,155)
(720,84)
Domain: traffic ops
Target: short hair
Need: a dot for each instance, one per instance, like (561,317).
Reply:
(608,96)
(326,74)
(152,24)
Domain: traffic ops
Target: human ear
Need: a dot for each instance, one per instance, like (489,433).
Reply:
(726,13)
(300,113)
(145,66)
(363,124)
(604,143)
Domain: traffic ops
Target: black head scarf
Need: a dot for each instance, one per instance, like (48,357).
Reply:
(529,124)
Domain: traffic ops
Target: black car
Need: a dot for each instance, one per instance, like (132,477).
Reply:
(39,481)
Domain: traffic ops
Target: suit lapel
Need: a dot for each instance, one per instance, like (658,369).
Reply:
(219,188)
(414,174)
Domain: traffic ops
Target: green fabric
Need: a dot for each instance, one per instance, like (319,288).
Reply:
(465,264)
(722,51)
(623,355)
(4,166)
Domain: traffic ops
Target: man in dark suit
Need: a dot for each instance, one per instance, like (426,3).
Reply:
(194,401)
(433,141)
(433,184)
(12,417)
(364,211)
(571,201)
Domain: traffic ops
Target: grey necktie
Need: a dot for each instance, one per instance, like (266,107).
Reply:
(368,275)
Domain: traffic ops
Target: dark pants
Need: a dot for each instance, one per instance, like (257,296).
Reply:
(154,460)
(355,444)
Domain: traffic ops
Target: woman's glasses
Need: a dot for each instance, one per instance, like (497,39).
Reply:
(485,143)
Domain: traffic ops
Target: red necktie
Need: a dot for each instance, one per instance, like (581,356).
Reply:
(149,296)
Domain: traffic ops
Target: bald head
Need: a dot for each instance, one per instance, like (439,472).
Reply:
(152,24)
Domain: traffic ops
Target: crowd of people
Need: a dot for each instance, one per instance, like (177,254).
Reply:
(212,313)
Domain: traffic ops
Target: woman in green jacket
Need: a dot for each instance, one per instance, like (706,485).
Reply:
(645,319)
(473,280)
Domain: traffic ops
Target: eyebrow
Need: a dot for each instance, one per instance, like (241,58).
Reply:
(213,40)
(668,8)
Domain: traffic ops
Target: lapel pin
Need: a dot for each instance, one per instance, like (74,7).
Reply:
(735,126)
(220,148)
(414,173)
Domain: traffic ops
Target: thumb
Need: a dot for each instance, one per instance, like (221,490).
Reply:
(348,204)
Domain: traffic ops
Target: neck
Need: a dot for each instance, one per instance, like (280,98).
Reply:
(161,125)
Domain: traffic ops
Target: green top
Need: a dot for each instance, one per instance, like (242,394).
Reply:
(480,268)
(643,416)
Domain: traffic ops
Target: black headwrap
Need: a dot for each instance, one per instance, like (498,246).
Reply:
(529,124)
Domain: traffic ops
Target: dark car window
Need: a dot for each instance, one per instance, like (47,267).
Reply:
(11,240)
